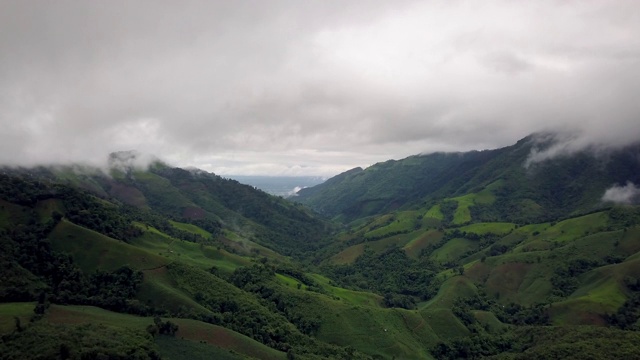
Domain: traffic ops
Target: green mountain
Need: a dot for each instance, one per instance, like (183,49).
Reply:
(491,259)
(234,215)
(509,186)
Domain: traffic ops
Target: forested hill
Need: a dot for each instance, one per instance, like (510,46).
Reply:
(521,191)
(223,207)
(163,262)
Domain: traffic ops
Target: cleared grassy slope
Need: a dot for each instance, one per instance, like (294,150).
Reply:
(215,337)
(92,250)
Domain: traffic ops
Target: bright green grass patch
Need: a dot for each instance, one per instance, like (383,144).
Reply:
(352,297)
(521,234)
(246,246)
(159,289)
(580,311)
(435,212)
(8,313)
(191,229)
(92,250)
(289,281)
(453,249)
(444,324)
(500,228)
(575,228)
(463,214)
(379,332)
(598,245)
(451,289)
(604,291)
(604,285)
(201,255)
(400,222)
(361,298)
(489,321)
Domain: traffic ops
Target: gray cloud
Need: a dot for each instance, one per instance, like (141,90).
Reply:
(622,194)
(288,87)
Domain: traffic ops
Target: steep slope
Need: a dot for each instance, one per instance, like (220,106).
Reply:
(65,246)
(496,252)
(235,215)
(518,190)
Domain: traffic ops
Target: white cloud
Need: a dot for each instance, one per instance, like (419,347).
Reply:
(622,194)
(321,85)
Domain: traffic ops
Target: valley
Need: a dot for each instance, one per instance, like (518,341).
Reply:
(438,256)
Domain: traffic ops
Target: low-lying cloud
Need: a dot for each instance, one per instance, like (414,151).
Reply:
(627,194)
(311,88)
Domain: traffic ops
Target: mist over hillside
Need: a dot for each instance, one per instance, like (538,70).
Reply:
(443,255)
(284,186)
(527,186)
(310,180)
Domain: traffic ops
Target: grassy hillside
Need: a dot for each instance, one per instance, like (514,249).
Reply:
(459,256)
(92,250)
(194,339)
(491,185)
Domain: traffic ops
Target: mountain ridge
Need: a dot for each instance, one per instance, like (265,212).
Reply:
(494,260)
(428,178)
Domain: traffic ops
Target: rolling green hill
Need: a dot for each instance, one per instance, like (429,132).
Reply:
(490,185)
(440,256)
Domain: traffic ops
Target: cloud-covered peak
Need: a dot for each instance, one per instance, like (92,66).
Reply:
(311,88)
(131,159)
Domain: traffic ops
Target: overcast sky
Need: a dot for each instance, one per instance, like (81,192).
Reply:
(310,87)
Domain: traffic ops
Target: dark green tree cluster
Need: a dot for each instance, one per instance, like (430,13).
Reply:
(627,316)
(285,227)
(565,277)
(473,347)
(67,284)
(511,313)
(391,272)
(258,279)
(448,209)
(162,327)
(81,207)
